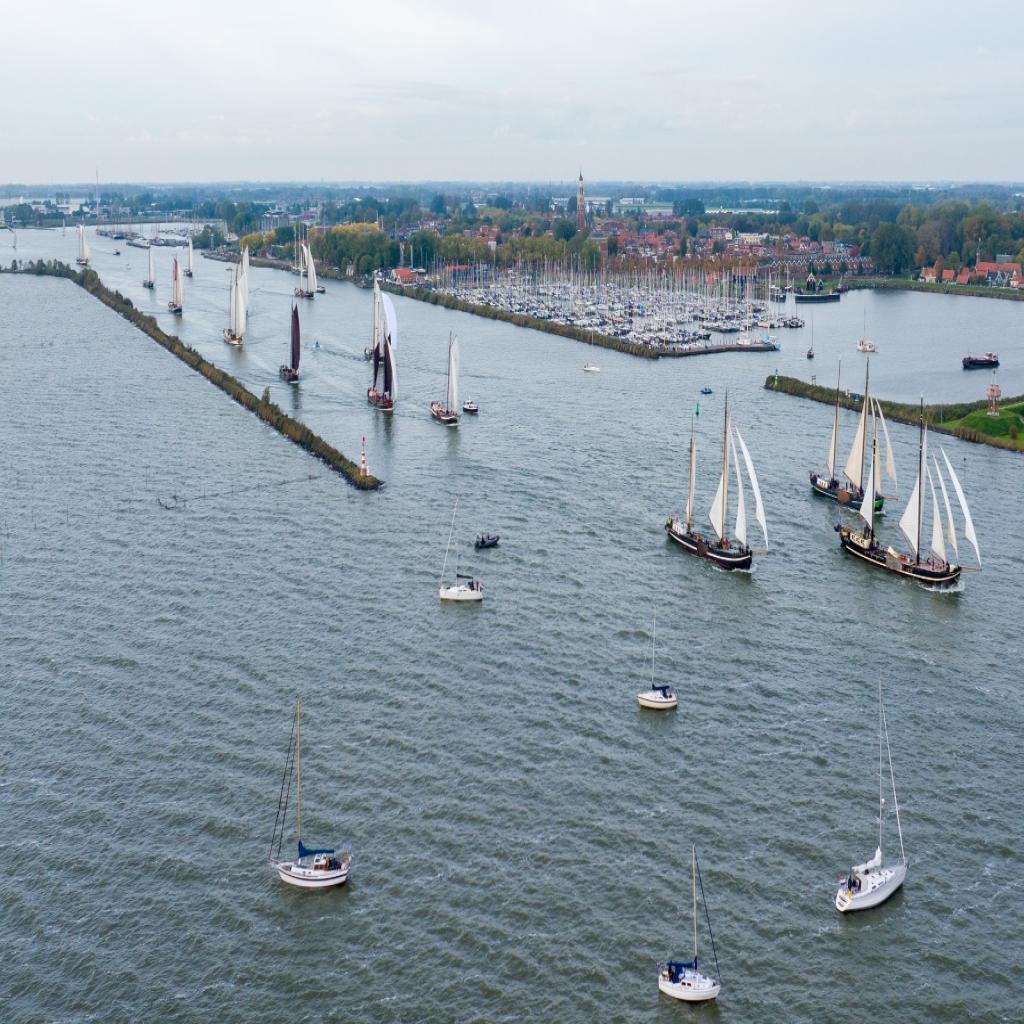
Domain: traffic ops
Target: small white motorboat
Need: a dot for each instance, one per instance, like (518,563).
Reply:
(661,698)
(871,883)
(866,346)
(591,368)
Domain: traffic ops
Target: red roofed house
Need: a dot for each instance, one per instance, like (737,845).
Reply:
(1002,275)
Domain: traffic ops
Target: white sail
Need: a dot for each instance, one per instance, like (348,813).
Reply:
(390,340)
(910,522)
(177,284)
(950,525)
(937,546)
(968,521)
(83,244)
(152,268)
(189,267)
(693,480)
(758,504)
(831,458)
(740,529)
(453,374)
(890,462)
(244,276)
(717,513)
(242,308)
(854,467)
(867,506)
(310,269)
(233,302)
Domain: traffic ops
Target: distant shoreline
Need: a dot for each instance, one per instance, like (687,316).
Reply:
(889,284)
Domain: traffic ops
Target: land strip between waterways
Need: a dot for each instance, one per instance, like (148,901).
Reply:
(296,432)
(902,284)
(967,420)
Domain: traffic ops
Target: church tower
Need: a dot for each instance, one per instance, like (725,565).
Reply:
(581,206)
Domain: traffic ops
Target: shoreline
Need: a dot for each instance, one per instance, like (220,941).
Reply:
(946,418)
(270,413)
(896,284)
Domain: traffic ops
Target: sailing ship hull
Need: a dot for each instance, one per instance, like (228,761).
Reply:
(148,284)
(382,402)
(725,558)
(460,593)
(307,878)
(840,495)
(847,900)
(445,416)
(288,375)
(690,991)
(817,296)
(231,339)
(655,701)
(980,362)
(870,551)
(301,293)
(176,310)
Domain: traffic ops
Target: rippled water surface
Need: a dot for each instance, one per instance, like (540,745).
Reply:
(521,830)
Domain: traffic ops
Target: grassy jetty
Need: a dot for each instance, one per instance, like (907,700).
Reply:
(967,420)
(903,284)
(296,432)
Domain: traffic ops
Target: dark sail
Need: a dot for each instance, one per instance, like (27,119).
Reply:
(295,337)
(376,366)
(387,368)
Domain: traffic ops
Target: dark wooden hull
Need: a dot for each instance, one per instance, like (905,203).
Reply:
(840,495)
(301,294)
(972,363)
(445,416)
(288,375)
(382,402)
(871,552)
(696,544)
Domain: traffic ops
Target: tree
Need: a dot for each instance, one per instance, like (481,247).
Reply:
(437,205)
(892,248)
(564,230)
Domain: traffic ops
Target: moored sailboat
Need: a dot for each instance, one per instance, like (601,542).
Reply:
(873,882)
(290,371)
(311,868)
(928,564)
(234,333)
(385,337)
(176,304)
(724,551)
(447,412)
(83,248)
(682,979)
(657,698)
(150,281)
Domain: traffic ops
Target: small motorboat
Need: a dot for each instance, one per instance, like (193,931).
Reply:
(470,407)
(486,540)
(706,390)
(810,353)
(591,368)
(117,252)
(866,346)
(661,698)
(316,346)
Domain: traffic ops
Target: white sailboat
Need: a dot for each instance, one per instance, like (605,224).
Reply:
(150,281)
(864,345)
(448,411)
(311,868)
(83,248)
(657,698)
(234,333)
(176,304)
(873,882)
(311,287)
(465,587)
(682,979)
(188,264)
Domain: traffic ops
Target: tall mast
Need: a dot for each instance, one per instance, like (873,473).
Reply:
(895,802)
(691,479)
(835,424)
(864,435)
(693,871)
(881,801)
(920,477)
(298,770)
(725,467)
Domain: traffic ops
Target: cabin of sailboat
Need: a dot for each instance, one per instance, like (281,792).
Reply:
(289,372)
(383,391)
(176,305)
(311,868)
(238,304)
(723,550)
(927,562)
(447,412)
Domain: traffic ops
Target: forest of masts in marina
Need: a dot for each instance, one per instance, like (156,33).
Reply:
(663,309)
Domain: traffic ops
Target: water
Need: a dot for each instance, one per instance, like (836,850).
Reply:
(521,830)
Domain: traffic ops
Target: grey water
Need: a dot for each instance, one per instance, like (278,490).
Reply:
(521,830)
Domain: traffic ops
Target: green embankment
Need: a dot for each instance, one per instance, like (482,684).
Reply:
(296,432)
(902,284)
(967,420)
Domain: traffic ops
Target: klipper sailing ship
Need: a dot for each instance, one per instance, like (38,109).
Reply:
(929,564)
(311,287)
(238,304)
(447,412)
(176,305)
(724,551)
(851,492)
(290,372)
(83,248)
(311,868)
(383,392)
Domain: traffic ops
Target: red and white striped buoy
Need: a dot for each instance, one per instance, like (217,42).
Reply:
(363,471)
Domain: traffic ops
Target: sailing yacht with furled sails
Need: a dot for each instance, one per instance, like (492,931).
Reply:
(383,391)
(927,563)
(176,305)
(448,411)
(852,492)
(722,550)
(311,868)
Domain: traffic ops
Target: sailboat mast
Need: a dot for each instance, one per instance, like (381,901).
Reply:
(298,770)
(881,800)
(835,424)
(693,873)
(725,467)
(691,480)
(451,531)
(864,434)
(892,777)
(920,477)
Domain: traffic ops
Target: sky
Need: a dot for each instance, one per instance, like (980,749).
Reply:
(434,90)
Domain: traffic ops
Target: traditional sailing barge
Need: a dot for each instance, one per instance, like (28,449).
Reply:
(382,352)
(724,551)
(290,372)
(448,411)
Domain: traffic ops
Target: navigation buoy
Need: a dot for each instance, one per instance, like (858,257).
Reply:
(363,471)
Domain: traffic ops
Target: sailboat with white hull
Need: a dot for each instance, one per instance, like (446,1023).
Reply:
(682,979)
(927,564)
(311,868)
(465,587)
(383,391)
(83,248)
(176,305)
(657,698)
(724,551)
(150,281)
(873,882)
(289,372)
(447,412)
(234,333)
(851,492)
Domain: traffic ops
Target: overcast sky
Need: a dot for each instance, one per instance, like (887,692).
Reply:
(519,90)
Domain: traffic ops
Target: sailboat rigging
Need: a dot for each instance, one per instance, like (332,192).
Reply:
(447,412)
(311,868)
(722,550)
